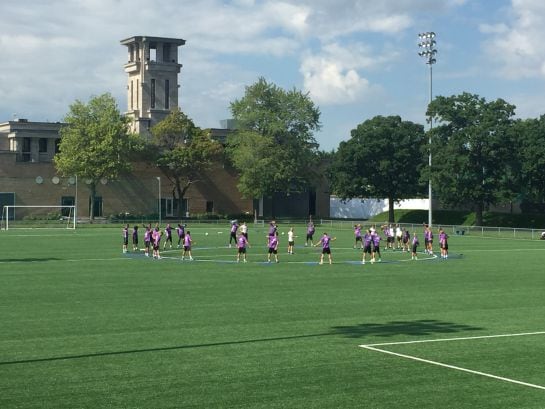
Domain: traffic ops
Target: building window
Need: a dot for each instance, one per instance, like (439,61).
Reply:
(137,91)
(166,52)
(26,150)
(152,103)
(67,201)
(57,145)
(167,94)
(132,95)
(42,145)
(153,53)
(209,207)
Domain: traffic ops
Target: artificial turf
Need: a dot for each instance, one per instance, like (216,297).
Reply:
(85,326)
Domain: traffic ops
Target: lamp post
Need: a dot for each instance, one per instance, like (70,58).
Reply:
(428,51)
(159,180)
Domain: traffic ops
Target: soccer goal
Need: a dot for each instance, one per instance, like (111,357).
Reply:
(35,217)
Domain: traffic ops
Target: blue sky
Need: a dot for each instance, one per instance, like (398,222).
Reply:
(356,59)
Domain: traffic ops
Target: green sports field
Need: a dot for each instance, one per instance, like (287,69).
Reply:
(85,326)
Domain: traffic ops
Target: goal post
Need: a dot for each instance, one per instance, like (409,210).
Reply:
(34,217)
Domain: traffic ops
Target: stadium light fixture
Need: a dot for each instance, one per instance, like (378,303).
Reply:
(429,51)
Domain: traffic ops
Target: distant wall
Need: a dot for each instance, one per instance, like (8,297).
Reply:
(366,208)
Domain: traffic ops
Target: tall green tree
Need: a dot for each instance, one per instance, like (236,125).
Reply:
(182,151)
(530,144)
(95,143)
(274,149)
(472,151)
(382,158)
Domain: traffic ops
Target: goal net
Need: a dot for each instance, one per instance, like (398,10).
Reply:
(35,217)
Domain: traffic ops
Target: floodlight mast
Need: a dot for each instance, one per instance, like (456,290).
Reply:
(428,51)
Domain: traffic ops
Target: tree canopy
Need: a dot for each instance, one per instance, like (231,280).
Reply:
(381,159)
(95,142)
(182,151)
(472,150)
(274,149)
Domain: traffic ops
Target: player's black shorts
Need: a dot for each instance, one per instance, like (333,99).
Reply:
(327,250)
(273,251)
(444,246)
(415,247)
(367,249)
(310,236)
(291,243)
(358,239)
(125,240)
(242,250)
(187,248)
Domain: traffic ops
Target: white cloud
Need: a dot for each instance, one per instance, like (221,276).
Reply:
(332,76)
(517,45)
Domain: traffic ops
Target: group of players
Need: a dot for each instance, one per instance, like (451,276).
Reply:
(369,241)
(397,238)
(154,236)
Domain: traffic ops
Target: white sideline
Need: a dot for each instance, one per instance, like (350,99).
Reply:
(372,347)
(453,339)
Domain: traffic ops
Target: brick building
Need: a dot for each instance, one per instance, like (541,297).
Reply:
(28,176)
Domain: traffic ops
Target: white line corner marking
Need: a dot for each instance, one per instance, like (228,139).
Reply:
(373,347)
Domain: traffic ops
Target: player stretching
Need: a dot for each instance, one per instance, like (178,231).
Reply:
(326,249)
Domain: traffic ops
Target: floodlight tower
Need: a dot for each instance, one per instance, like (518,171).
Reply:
(428,48)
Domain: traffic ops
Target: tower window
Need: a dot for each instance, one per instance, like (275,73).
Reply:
(153,53)
(167,94)
(166,52)
(132,96)
(152,102)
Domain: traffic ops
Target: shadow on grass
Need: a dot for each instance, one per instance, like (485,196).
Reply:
(413,328)
(28,260)
(390,329)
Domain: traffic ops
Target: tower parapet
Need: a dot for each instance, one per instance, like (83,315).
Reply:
(152,84)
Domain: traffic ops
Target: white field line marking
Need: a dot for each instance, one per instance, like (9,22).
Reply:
(454,339)
(372,347)
(457,368)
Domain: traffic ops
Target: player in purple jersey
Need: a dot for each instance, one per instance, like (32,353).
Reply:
(242,243)
(147,240)
(168,236)
(135,238)
(125,234)
(357,236)
(180,230)
(406,240)
(430,241)
(233,232)
(367,246)
(443,243)
(187,246)
(272,228)
(326,248)
(157,243)
(415,244)
(273,247)
(310,232)
(376,247)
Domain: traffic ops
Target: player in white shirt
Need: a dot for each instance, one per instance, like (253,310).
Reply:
(291,242)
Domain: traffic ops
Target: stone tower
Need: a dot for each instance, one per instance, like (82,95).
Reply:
(152,87)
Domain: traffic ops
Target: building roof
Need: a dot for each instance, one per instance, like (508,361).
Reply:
(148,39)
